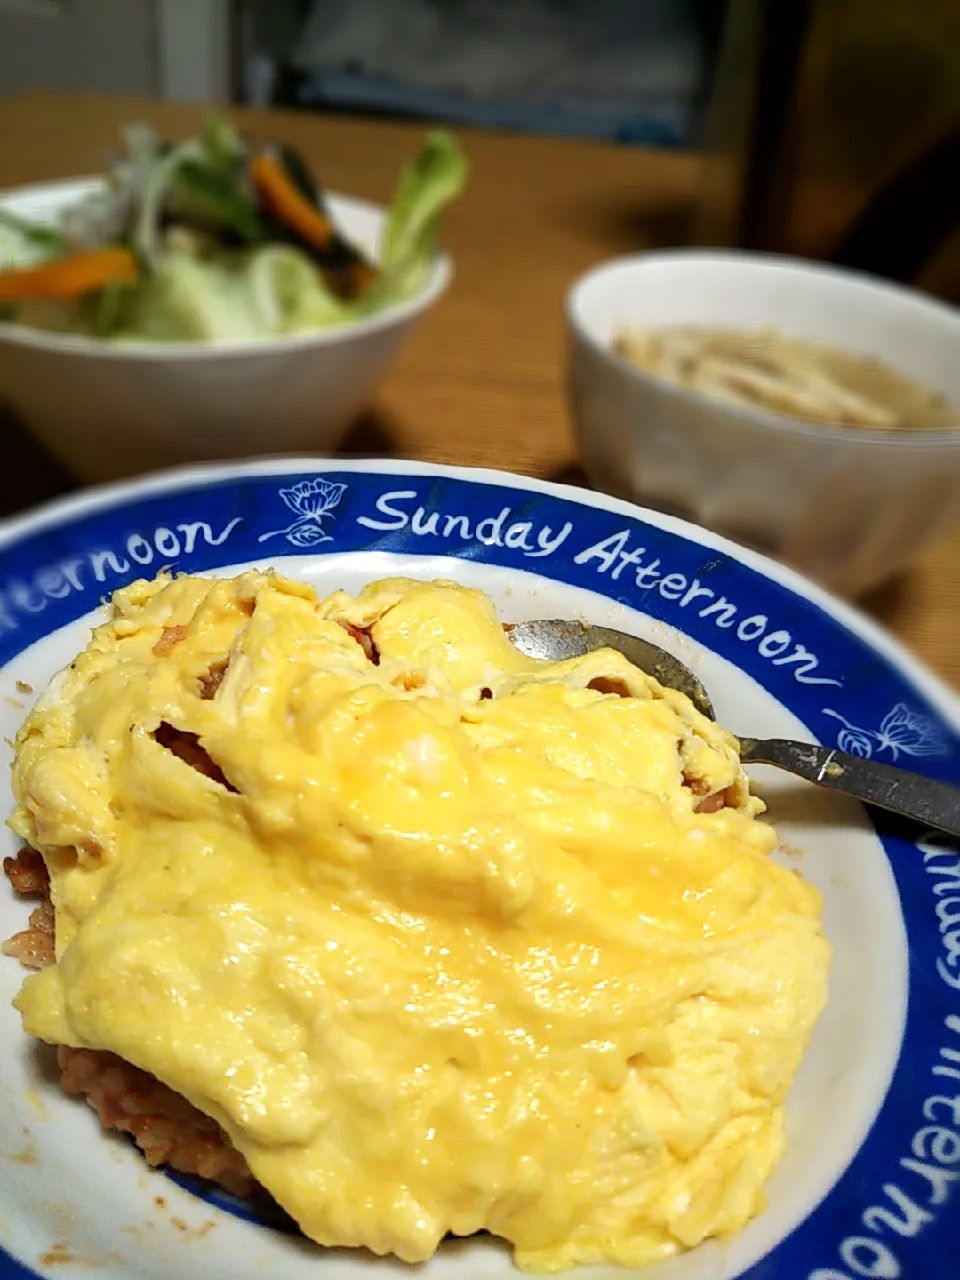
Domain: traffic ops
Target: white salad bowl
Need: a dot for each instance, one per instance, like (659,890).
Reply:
(848,506)
(109,409)
(868,1184)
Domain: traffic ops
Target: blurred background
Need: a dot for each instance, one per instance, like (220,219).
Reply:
(830,128)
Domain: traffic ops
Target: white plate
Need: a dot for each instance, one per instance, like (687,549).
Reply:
(868,1186)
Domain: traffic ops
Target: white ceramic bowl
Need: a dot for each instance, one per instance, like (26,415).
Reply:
(848,506)
(108,410)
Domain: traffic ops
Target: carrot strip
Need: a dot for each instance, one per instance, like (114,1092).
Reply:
(69,278)
(291,207)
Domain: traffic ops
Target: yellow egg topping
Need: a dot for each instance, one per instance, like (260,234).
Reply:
(441,935)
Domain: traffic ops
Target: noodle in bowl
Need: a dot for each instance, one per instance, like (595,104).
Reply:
(805,380)
(849,504)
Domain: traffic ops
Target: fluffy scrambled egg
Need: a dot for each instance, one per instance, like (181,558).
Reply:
(440,935)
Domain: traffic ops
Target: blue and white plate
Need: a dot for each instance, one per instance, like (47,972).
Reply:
(869,1184)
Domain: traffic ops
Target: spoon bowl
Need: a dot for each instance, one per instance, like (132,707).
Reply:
(911,795)
(557,639)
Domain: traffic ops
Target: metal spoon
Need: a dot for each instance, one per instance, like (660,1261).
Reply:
(935,804)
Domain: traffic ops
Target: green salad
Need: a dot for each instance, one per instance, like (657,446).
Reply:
(218,239)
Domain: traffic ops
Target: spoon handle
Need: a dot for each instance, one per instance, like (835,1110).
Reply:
(935,804)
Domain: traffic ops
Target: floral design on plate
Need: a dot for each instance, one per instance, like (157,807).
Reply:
(313,501)
(901,731)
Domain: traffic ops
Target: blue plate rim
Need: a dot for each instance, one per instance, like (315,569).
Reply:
(100,497)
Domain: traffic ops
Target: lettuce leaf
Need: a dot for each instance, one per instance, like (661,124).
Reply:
(24,244)
(427,186)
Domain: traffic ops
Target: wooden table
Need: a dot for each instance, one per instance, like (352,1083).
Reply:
(481,383)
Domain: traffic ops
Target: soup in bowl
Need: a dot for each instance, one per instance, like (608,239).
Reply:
(851,502)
